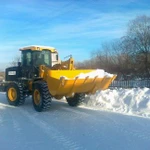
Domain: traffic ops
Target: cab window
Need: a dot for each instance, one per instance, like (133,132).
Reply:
(26,58)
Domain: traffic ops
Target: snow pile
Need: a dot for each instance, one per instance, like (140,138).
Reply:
(134,101)
(99,73)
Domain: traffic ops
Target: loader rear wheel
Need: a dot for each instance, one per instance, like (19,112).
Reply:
(41,97)
(76,100)
(15,95)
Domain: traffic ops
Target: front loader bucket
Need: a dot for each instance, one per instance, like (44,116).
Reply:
(67,82)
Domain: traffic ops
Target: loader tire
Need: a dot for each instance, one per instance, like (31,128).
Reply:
(41,97)
(76,100)
(15,94)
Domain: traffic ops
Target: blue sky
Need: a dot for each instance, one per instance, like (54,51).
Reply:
(74,27)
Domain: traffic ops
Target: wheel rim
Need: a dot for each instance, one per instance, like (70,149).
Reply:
(12,94)
(37,97)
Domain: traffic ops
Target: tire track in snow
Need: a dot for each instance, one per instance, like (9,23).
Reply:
(120,126)
(7,118)
(16,129)
(134,132)
(52,132)
(92,123)
(77,116)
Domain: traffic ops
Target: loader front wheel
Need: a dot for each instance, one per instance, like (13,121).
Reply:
(41,97)
(76,100)
(15,95)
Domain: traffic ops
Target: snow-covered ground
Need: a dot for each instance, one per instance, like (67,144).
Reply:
(92,126)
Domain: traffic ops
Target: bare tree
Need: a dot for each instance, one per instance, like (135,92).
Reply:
(114,58)
(86,64)
(138,34)
(15,61)
(128,56)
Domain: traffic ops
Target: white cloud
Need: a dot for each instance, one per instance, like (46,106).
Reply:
(97,24)
(37,9)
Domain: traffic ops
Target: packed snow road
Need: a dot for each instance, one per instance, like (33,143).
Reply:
(64,127)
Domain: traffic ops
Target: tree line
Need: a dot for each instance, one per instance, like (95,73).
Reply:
(128,56)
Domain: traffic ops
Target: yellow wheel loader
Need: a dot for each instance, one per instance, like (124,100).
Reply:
(42,75)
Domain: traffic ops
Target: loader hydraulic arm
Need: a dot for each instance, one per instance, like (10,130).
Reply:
(68,64)
(64,65)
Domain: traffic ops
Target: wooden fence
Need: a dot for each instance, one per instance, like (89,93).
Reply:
(131,83)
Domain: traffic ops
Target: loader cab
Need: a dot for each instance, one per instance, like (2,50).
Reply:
(34,56)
